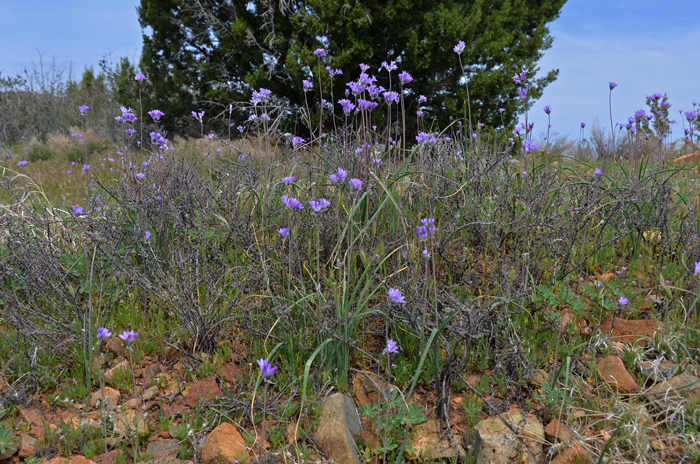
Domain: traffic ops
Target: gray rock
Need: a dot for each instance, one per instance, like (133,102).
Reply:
(339,425)
(493,442)
(671,394)
(166,460)
(658,371)
(163,448)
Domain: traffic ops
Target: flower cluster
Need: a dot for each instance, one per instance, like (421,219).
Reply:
(425,230)
(126,116)
(340,176)
(320,205)
(156,114)
(292,203)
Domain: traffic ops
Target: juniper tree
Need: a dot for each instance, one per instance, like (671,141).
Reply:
(210,52)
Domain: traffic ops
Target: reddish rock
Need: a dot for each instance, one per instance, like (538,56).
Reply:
(124,365)
(115,345)
(672,393)
(26,446)
(32,416)
(71,460)
(573,454)
(229,372)
(612,371)
(111,395)
(109,458)
(556,431)
(569,322)
(630,331)
(203,390)
(224,445)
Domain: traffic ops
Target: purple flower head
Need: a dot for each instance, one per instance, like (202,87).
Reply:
(86,167)
(260,95)
(347,105)
(84,109)
(612,85)
(389,66)
(129,336)
(665,104)
(103,333)
(697,267)
(320,205)
(598,172)
(268,370)
(78,210)
(529,145)
(139,77)
(459,48)
(375,90)
(333,72)
(297,141)
(320,52)
(288,180)
(391,347)
(140,175)
(366,104)
(198,116)
(691,115)
(391,97)
(395,296)
(623,301)
(502,110)
(292,203)
(547,109)
(426,254)
(284,231)
(307,85)
(522,93)
(156,114)
(22,163)
(356,87)
(405,77)
(147,236)
(422,99)
(355,185)
(364,67)
(339,176)
(655,97)
(583,124)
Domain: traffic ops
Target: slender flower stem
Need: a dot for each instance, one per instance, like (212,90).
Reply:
(262,432)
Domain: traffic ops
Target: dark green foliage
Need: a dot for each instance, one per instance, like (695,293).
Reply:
(217,52)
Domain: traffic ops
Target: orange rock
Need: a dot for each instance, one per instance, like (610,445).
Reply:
(203,390)
(573,454)
(630,331)
(612,370)
(556,431)
(687,158)
(224,445)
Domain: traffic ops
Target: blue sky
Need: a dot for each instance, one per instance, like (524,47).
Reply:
(646,46)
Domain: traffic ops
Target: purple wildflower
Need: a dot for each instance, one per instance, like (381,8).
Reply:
(405,77)
(84,109)
(623,301)
(391,347)
(547,109)
(103,333)
(347,105)
(355,185)
(395,296)
(459,48)
(156,114)
(320,52)
(139,77)
(284,231)
(268,370)
(129,336)
(78,210)
(147,236)
(307,85)
(319,205)
(288,180)
(612,85)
